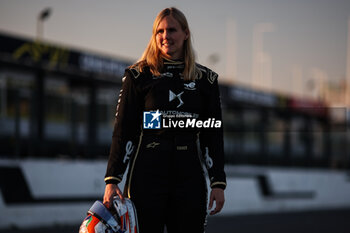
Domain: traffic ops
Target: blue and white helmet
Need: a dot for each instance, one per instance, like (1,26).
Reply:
(122,218)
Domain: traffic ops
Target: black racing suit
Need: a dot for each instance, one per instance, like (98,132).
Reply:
(165,178)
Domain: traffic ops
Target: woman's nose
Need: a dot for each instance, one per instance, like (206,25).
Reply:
(166,34)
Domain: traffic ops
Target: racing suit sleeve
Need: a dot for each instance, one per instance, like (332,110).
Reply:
(127,128)
(211,139)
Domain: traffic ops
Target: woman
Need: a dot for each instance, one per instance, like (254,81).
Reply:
(165,179)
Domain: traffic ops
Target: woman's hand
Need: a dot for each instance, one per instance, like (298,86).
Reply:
(111,190)
(217,195)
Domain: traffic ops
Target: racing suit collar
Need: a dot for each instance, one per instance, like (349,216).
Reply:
(173,62)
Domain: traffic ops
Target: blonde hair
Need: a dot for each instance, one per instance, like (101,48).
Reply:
(152,57)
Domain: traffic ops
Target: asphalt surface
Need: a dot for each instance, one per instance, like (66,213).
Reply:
(325,221)
(332,221)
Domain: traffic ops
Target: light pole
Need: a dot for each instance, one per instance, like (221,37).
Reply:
(261,73)
(43,15)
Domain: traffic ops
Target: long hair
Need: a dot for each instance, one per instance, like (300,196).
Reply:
(152,57)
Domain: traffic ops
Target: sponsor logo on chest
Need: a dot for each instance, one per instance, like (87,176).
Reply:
(190,86)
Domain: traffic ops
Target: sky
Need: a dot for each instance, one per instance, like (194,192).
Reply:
(278,45)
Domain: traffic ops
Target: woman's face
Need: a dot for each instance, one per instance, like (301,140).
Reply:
(170,37)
